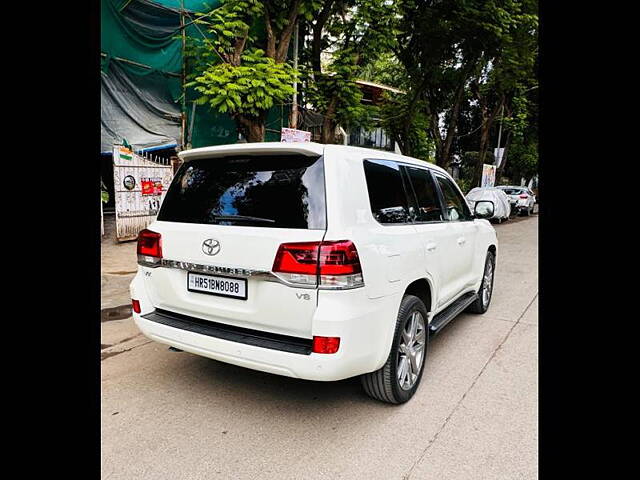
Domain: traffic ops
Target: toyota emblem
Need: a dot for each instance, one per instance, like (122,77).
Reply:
(211,246)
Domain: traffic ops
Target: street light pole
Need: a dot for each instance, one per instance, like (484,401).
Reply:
(294,108)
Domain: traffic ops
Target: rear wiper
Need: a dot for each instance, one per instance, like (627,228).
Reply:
(243,217)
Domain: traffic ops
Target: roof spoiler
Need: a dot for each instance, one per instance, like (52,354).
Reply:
(309,149)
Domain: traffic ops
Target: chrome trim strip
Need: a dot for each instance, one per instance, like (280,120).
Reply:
(242,272)
(213,269)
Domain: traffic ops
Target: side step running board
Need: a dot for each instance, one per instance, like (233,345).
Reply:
(451,312)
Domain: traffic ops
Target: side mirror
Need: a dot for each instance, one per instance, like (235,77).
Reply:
(483,209)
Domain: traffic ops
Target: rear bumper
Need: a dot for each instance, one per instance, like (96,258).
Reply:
(365,328)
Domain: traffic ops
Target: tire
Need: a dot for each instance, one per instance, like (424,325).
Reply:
(481,305)
(384,384)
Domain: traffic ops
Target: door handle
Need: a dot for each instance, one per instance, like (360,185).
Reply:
(431,247)
(462,241)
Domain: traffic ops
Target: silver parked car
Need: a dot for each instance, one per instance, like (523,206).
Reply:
(502,207)
(522,199)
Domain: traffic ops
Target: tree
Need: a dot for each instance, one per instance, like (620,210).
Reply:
(433,41)
(508,72)
(520,124)
(354,32)
(239,63)
(456,49)
(411,136)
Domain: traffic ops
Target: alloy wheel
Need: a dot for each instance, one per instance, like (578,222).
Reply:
(411,350)
(487,283)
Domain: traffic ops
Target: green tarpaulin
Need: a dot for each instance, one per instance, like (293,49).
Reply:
(142,103)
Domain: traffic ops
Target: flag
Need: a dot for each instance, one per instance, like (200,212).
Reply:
(125,153)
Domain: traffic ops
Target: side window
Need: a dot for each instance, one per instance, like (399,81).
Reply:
(426,195)
(455,204)
(386,191)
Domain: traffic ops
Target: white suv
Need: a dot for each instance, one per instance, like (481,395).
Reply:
(319,262)
(521,198)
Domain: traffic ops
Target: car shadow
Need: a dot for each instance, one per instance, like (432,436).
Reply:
(253,387)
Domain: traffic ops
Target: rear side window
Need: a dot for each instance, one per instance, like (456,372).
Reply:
(425,192)
(456,205)
(386,191)
(259,191)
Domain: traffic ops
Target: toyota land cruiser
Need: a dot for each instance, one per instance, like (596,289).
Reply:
(319,262)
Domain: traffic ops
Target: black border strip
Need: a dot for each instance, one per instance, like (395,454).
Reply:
(258,338)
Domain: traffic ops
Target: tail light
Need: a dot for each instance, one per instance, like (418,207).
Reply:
(331,265)
(135,305)
(325,344)
(149,248)
(524,195)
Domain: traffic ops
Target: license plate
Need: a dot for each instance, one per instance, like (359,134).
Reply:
(214,285)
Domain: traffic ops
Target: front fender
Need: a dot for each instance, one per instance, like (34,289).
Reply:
(486,238)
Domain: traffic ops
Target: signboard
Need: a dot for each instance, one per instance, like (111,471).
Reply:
(498,153)
(488,175)
(293,135)
(140,183)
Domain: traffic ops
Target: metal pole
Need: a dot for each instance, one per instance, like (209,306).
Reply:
(294,107)
(500,131)
(102,214)
(183,113)
(193,116)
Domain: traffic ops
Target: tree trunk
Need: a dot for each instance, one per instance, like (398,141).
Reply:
(328,123)
(445,154)
(500,170)
(482,153)
(316,41)
(287,32)
(251,127)
(487,120)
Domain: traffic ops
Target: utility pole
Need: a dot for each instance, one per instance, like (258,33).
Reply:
(294,108)
(500,134)
(183,113)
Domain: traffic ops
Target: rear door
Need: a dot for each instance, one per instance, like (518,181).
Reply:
(223,219)
(438,243)
(461,235)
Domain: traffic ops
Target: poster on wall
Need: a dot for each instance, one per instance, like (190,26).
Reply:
(488,175)
(293,135)
(151,186)
(140,184)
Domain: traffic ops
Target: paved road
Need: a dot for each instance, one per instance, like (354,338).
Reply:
(179,416)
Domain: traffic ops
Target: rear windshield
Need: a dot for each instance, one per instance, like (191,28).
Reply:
(258,191)
(512,191)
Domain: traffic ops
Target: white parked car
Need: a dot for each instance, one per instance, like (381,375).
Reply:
(319,262)
(522,199)
(502,209)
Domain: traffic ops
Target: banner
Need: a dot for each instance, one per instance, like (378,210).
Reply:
(488,175)
(498,153)
(293,135)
